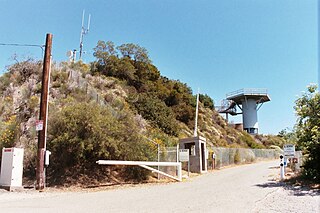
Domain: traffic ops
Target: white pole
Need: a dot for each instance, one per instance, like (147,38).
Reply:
(180,171)
(281,167)
(195,134)
(158,160)
(177,156)
(89,23)
(282,172)
(177,151)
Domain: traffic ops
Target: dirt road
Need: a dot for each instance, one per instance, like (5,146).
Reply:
(247,188)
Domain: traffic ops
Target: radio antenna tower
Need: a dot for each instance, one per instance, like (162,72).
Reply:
(84,31)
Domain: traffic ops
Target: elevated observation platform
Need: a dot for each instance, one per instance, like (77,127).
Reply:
(249,101)
(258,94)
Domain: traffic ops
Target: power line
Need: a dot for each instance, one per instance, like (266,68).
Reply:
(23,45)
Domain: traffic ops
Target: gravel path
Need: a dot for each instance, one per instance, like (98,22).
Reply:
(247,188)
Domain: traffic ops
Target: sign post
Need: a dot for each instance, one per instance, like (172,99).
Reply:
(184,157)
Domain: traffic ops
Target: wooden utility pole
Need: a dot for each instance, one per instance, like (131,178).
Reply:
(44,114)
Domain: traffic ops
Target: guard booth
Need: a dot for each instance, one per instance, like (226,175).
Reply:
(197,153)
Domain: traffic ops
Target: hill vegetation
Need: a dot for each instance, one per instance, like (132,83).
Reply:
(117,107)
(307,131)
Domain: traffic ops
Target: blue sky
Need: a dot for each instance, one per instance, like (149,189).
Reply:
(217,46)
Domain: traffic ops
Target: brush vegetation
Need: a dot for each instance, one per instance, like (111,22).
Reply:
(107,109)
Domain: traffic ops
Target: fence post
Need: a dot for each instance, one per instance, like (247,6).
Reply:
(179,167)
(158,160)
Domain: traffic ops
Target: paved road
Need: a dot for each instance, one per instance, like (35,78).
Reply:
(247,188)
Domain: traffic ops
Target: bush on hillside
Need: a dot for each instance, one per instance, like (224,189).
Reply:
(251,143)
(131,64)
(82,133)
(308,131)
(206,101)
(8,132)
(157,113)
(22,71)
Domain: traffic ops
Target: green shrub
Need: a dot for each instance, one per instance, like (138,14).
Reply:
(4,82)
(237,157)
(308,131)
(59,76)
(207,101)
(82,133)
(136,173)
(80,66)
(246,138)
(8,132)
(158,113)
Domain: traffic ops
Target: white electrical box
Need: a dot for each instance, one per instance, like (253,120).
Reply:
(46,157)
(11,168)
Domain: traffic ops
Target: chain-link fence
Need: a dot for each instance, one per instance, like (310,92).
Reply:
(219,157)
(168,154)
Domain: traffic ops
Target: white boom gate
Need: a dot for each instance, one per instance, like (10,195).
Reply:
(146,165)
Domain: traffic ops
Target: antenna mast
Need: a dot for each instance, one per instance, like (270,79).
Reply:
(84,31)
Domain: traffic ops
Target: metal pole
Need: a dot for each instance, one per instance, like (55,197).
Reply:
(158,161)
(177,152)
(40,173)
(180,171)
(177,156)
(195,134)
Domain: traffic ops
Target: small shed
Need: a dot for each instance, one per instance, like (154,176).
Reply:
(197,153)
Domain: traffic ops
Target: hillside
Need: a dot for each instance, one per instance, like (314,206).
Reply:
(108,109)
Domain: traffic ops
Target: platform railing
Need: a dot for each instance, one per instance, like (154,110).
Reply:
(248,91)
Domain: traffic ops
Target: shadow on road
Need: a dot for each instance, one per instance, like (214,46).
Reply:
(294,190)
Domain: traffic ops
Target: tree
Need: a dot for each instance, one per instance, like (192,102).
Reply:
(288,137)
(134,51)
(103,51)
(207,101)
(308,131)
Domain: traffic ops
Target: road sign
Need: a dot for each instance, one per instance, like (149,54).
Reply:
(39,125)
(183,155)
(289,150)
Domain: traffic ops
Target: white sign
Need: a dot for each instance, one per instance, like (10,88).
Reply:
(183,155)
(39,125)
(289,150)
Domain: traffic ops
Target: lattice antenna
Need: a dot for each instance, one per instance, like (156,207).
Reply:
(84,31)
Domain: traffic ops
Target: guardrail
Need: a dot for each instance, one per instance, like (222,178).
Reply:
(248,91)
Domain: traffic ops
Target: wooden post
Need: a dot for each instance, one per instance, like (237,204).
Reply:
(40,173)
